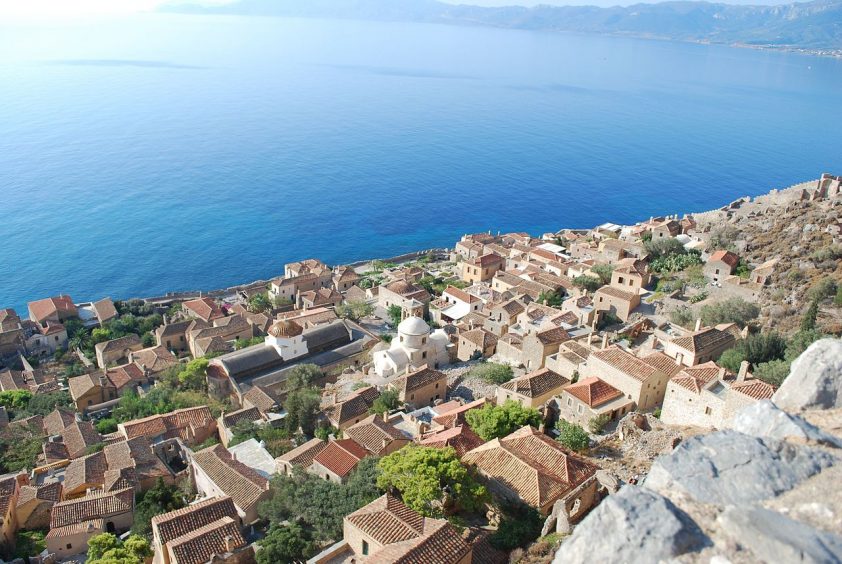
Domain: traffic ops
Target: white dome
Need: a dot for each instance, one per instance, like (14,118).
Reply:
(414,326)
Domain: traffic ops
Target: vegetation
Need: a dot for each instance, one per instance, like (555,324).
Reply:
(387,401)
(15,399)
(106,548)
(731,310)
(106,425)
(303,399)
(276,441)
(588,283)
(290,543)
(662,248)
(395,313)
(493,421)
(430,480)
(552,299)
(604,271)
(769,354)
(134,317)
(723,238)
(20,446)
(320,505)
(598,423)
(572,436)
(492,372)
(245,343)
(161,498)
(676,262)
(161,399)
(520,526)
(29,543)
(260,303)
(40,404)
(354,310)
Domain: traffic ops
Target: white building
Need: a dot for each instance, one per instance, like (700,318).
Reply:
(413,346)
(287,338)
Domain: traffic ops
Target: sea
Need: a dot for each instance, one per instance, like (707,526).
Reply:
(152,153)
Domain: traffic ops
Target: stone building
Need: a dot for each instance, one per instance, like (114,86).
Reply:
(533,389)
(413,346)
(641,381)
(421,387)
(591,398)
(700,346)
(616,302)
(482,268)
(116,351)
(720,265)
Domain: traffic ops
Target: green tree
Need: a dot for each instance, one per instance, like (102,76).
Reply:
(588,283)
(303,376)
(598,423)
(552,299)
(20,447)
(756,349)
(29,543)
(395,313)
(15,399)
(808,322)
(572,436)
(772,372)
(429,479)
(731,310)
(520,526)
(302,407)
(285,544)
(732,358)
(494,421)
(194,375)
(100,335)
(260,303)
(387,401)
(604,271)
(108,549)
(161,498)
(663,247)
(492,372)
(98,545)
(106,425)
(354,310)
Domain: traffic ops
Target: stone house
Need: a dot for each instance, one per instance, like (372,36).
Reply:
(323,297)
(476,342)
(10,486)
(401,293)
(376,435)
(201,532)
(52,310)
(510,349)
(590,398)
(153,360)
(228,421)
(421,387)
(482,268)
(337,460)
(700,346)
(533,389)
(202,308)
(570,358)
(631,275)
(352,409)
(582,307)
(706,396)
(529,467)
(78,437)
(642,382)
(536,347)
(74,522)
(217,473)
(720,265)
(386,530)
(460,438)
(116,351)
(344,278)
(762,275)
(306,266)
(35,504)
(665,229)
(300,457)
(44,340)
(192,425)
(503,316)
(173,336)
(616,302)
(204,338)
(91,390)
(453,305)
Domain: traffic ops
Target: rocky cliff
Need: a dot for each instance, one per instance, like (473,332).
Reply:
(766,490)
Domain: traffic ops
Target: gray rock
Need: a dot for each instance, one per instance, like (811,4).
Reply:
(732,468)
(765,420)
(773,537)
(635,525)
(815,380)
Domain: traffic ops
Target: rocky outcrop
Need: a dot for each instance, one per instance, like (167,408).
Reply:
(765,490)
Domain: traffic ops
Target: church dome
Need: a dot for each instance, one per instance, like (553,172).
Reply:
(285,329)
(413,326)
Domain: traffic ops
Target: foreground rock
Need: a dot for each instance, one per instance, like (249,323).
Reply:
(766,490)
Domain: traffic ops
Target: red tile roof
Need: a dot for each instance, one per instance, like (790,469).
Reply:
(341,457)
(593,391)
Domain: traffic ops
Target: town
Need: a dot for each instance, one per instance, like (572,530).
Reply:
(483,403)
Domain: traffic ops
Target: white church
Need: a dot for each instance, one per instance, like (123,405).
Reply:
(413,347)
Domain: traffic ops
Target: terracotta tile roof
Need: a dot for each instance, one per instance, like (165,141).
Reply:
(93,506)
(104,310)
(664,363)
(85,471)
(461,295)
(754,388)
(124,342)
(8,485)
(625,362)
(704,340)
(54,452)
(170,526)
(727,257)
(50,493)
(593,391)
(127,375)
(480,337)
(81,385)
(553,336)
(303,454)
(340,457)
(489,259)
(513,307)
(422,377)
(453,417)
(374,434)
(536,383)
(531,464)
(261,398)
(62,306)
(408,537)
(181,423)
(353,407)
(617,293)
(154,359)
(58,420)
(461,438)
(78,436)
(251,414)
(244,485)
(136,454)
(199,546)
(204,308)
(696,378)
(90,527)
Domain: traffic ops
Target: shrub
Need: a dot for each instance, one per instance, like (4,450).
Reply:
(494,421)
(684,316)
(731,310)
(676,262)
(573,436)
(773,372)
(387,401)
(520,526)
(660,248)
(604,271)
(588,283)
(701,296)
(492,372)
(598,423)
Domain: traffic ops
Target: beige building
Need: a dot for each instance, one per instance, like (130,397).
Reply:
(700,346)
(631,275)
(376,435)
(202,308)
(34,505)
(300,457)
(642,380)
(192,425)
(591,398)
(482,268)
(529,467)
(337,460)
(476,343)
(537,347)
(533,389)
(352,409)
(74,522)
(706,396)
(720,265)
(617,302)
(421,387)
(9,491)
(117,351)
(217,474)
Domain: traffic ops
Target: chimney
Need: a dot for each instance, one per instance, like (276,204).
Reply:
(385,444)
(229,544)
(698,324)
(741,376)
(605,341)
(385,416)
(721,375)
(166,319)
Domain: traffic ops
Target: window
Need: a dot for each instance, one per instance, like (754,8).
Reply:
(412,397)
(621,279)
(424,354)
(437,385)
(365,548)
(69,546)
(580,408)
(423,340)
(708,411)
(569,402)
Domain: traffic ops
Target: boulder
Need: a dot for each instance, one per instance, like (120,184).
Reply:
(732,468)
(635,525)
(766,421)
(773,537)
(815,380)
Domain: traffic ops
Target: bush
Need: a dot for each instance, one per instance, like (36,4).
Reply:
(161,498)
(588,283)
(684,316)
(598,423)
(756,349)
(824,288)
(701,296)
(494,421)
(29,543)
(354,310)
(604,271)
(676,262)
(773,372)
(387,401)
(395,313)
(573,436)
(832,252)
(106,425)
(289,543)
(520,526)
(492,372)
(731,310)
(665,247)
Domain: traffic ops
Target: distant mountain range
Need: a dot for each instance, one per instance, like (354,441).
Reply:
(813,25)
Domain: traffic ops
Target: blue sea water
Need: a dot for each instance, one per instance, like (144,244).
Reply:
(163,152)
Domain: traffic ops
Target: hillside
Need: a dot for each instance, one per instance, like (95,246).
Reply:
(813,25)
